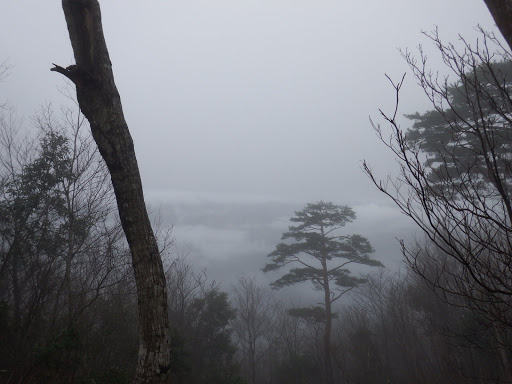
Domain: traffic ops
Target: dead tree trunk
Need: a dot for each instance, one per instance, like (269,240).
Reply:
(501,11)
(100,102)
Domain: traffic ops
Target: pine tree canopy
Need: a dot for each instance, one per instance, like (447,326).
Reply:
(316,240)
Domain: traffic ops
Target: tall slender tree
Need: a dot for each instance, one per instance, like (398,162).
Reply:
(100,102)
(315,244)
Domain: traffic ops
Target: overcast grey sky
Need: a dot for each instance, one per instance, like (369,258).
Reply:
(246,101)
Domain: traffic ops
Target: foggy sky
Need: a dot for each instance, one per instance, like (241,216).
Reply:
(258,105)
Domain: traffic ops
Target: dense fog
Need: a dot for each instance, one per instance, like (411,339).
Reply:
(328,184)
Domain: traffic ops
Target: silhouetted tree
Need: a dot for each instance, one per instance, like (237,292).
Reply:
(60,248)
(454,182)
(315,244)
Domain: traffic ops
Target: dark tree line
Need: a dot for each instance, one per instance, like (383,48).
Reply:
(68,306)
(61,248)
(394,329)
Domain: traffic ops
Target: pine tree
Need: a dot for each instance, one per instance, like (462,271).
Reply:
(316,244)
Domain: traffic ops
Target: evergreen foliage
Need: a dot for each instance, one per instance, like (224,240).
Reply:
(315,241)
(469,126)
(314,244)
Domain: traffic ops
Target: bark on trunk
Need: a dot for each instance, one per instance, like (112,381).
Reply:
(501,11)
(327,338)
(327,331)
(328,315)
(100,102)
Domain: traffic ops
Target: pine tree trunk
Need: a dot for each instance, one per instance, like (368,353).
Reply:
(328,315)
(100,102)
(327,334)
(501,11)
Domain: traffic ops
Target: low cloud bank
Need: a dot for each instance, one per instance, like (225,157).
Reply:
(231,235)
